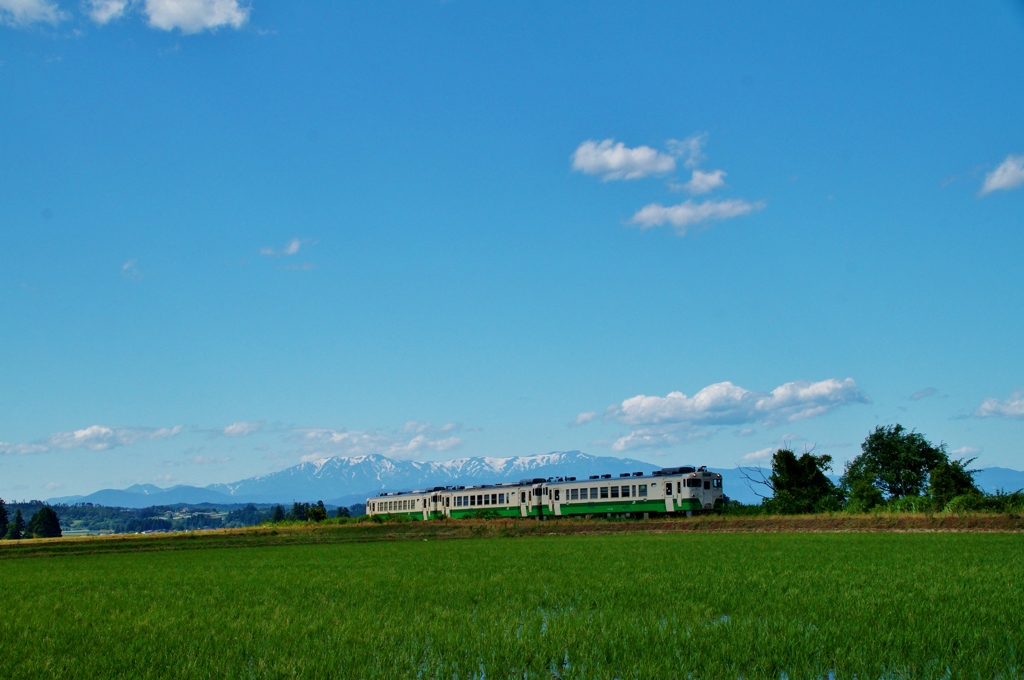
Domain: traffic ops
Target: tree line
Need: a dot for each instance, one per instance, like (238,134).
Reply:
(43,524)
(897,468)
(50,521)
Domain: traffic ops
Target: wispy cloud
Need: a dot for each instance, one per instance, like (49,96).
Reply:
(687,214)
(703,182)
(584,418)
(965,451)
(291,248)
(664,421)
(760,455)
(242,428)
(409,442)
(1009,175)
(104,11)
(614,160)
(93,438)
(21,13)
(691,149)
(923,394)
(1012,407)
(130,270)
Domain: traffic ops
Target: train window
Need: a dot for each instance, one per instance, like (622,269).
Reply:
(536,492)
(615,492)
(717,483)
(501,499)
(487,499)
(625,492)
(679,487)
(494,499)
(574,494)
(557,494)
(604,492)
(707,484)
(472,500)
(643,490)
(693,483)
(668,489)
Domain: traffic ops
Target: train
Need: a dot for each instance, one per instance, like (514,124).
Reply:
(668,491)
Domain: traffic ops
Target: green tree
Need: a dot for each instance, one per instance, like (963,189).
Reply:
(44,524)
(298,512)
(278,514)
(799,484)
(894,462)
(342,512)
(3,518)
(16,527)
(316,513)
(949,479)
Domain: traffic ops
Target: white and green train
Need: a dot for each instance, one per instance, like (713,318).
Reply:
(684,489)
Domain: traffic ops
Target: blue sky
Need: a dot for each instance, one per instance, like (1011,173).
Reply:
(235,236)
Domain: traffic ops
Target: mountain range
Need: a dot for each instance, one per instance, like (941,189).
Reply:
(348,480)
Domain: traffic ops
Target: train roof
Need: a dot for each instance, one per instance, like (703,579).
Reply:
(679,470)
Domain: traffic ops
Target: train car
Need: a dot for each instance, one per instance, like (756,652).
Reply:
(670,490)
(684,489)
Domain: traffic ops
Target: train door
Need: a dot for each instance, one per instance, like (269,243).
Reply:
(525,498)
(556,500)
(669,493)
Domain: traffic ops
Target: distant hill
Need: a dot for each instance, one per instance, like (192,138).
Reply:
(347,480)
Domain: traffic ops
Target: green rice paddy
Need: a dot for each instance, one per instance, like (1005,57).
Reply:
(794,605)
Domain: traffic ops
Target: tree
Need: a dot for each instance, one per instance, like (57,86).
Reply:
(44,524)
(15,527)
(278,514)
(298,512)
(316,513)
(799,484)
(949,479)
(894,462)
(3,518)
(342,512)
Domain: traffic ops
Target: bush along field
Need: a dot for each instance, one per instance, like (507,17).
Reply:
(753,605)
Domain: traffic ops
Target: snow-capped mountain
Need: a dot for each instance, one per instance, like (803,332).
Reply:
(351,479)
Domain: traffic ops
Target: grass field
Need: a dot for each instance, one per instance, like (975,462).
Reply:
(723,605)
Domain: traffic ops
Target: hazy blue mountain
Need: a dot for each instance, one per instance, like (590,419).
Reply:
(146,495)
(991,479)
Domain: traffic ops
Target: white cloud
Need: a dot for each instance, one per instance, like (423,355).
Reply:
(291,248)
(704,182)
(105,11)
(242,428)
(614,160)
(94,438)
(691,149)
(965,451)
(25,12)
(1009,175)
(584,418)
(193,16)
(410,442)
(760,455)
(1013,407)
(688,213)
(662,421)
(923,394)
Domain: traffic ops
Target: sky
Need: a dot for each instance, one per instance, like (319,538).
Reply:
(235,235)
